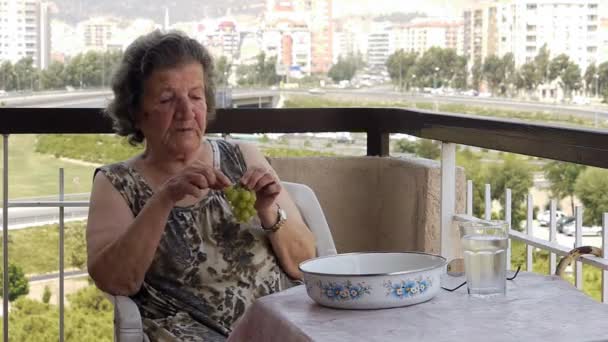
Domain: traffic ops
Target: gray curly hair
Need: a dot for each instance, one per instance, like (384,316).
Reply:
(148,53)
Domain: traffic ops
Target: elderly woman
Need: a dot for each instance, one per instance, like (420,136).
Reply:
(160,229)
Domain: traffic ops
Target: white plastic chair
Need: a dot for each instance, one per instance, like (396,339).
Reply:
(127,319)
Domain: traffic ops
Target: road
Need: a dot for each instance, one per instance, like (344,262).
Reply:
(386,94)
(99,98)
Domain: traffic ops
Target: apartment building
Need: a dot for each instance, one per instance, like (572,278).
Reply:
(25,31)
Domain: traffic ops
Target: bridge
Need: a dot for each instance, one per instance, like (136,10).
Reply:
(225,98)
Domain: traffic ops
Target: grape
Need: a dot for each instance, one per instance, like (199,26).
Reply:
(242,202)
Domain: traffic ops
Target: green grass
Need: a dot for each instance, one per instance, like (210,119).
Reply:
(33,174)
(320,102)
(592,276)
(36,249)
(293,152)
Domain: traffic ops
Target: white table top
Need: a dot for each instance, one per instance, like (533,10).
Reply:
(536,308)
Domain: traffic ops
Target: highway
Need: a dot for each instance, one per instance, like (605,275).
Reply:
(98,99)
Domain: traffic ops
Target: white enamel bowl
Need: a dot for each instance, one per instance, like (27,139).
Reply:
(373,280)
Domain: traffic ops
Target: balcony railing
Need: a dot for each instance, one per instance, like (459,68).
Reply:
(577,145)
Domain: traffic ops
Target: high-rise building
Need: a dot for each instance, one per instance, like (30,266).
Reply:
(568,27)
(97,33)
(322,35)
(25,31)
(603,50)
(287,35)
(523,27)
(423,34)
(480,31)
(379,47)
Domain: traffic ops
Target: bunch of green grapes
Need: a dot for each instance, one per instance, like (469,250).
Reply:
(242,202)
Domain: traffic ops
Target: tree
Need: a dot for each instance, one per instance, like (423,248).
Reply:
(406,146)
(222,70)
(460,73)
(527,77)
(590,79)
(562,177)
(475,172)
(76,240)
(493,72)
(430,149)
(603,80)
(18,284)
(568,72)
(508,72)
(513,174)
(424,148)
(571,78)
(592,189)
(46,295)
(7,76)
(400,66)
(343,70)
(53,77)
(541,62)
(88,318)
(477,73)
(557,66)
(436,67)
(266,71)
(26,74)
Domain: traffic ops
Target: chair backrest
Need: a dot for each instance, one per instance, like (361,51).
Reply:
(310,209)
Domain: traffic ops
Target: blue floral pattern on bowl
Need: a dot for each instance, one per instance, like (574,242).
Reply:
(343,291)
(407,288)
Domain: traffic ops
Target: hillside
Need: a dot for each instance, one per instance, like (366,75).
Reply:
(73,11)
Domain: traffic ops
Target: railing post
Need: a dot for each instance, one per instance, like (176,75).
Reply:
(552,236)
(448,197)
(578,239)
(5,286)
(530,233)
(488,202)
(508,220)
(604,272)
(378,143)
(61,255)
(470,197)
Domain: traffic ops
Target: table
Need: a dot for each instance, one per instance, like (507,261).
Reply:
(536,308)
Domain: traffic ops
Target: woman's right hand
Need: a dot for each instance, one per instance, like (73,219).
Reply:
(193,180)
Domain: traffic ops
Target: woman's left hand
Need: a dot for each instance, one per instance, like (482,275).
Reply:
(266,187)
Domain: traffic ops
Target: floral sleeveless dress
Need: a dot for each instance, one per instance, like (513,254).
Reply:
(207,269)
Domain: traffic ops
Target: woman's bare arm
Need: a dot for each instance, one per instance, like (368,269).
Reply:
(293,242)
(120,247)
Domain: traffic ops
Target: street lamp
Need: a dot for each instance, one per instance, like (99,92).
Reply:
(414,80)
(597,78)
(435,77)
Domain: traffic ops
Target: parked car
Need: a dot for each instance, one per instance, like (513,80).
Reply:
(564,221)
(545,218)
(569,228)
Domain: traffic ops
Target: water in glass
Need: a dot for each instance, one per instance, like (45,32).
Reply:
(485,258)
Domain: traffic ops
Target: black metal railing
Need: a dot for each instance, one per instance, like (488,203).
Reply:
(572,144)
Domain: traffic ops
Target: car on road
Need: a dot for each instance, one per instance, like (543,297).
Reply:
(567,226)
(316,91)
(545,218)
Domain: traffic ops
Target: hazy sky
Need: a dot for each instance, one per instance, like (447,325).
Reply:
(431,7)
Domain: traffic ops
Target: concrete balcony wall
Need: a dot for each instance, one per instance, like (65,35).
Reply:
(376,203)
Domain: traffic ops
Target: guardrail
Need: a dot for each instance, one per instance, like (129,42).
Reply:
(578,145)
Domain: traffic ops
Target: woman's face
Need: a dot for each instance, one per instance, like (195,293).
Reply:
(173,110)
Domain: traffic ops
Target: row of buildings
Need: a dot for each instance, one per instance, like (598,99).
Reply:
(307,38)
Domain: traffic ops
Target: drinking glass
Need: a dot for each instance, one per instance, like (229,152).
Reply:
(484,245)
